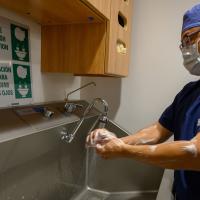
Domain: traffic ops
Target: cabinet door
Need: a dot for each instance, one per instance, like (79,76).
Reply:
(101,6)
(119,34)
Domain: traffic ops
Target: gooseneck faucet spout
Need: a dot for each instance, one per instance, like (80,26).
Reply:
(68,94)
(97,100)
(103,119)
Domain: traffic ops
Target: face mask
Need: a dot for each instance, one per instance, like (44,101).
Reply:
(191,58)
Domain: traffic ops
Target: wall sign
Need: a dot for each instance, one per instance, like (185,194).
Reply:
(15,67)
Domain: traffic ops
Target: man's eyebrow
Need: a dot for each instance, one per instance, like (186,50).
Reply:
(189,34)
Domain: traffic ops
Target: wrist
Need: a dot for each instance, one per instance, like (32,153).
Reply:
(127,149)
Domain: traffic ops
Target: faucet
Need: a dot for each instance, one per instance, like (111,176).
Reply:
(70,107)
(68,94)
(68,137)
(103,114)
(45,111)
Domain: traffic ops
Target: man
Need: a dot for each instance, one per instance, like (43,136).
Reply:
(181,118)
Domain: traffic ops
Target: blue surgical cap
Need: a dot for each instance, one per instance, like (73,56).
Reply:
(191,18)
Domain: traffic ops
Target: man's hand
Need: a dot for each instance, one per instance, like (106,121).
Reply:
(113,149)
(99,136)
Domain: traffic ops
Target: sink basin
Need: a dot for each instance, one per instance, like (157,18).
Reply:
(118,179)
(41,166)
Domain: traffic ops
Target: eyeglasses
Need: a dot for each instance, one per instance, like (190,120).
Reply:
(189,39)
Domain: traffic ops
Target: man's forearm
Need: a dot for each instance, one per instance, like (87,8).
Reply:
(174,155)
(154,134)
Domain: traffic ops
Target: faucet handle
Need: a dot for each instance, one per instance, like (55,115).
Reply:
(71,107)
(66,136)
(48,113)
(45,111)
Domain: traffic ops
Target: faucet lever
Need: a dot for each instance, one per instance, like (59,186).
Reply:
(71,107)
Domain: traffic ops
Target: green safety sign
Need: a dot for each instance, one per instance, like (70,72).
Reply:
(22,81)
(15,66)
(20,47)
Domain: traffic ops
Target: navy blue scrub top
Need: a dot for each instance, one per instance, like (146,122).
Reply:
(182,118)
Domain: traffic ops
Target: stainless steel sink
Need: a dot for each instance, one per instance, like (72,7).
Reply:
(118,179)
(40,166)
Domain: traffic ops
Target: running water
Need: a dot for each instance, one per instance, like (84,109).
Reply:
(87,192)
(91,162)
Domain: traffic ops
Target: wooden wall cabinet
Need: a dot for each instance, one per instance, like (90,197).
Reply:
(83,37)
(119,37)
(100,6)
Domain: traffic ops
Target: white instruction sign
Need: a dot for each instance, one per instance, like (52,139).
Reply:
(15,68)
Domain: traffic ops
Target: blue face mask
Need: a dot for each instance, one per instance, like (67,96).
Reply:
(191,58)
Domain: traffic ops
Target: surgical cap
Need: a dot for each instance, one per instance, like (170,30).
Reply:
(191,18)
